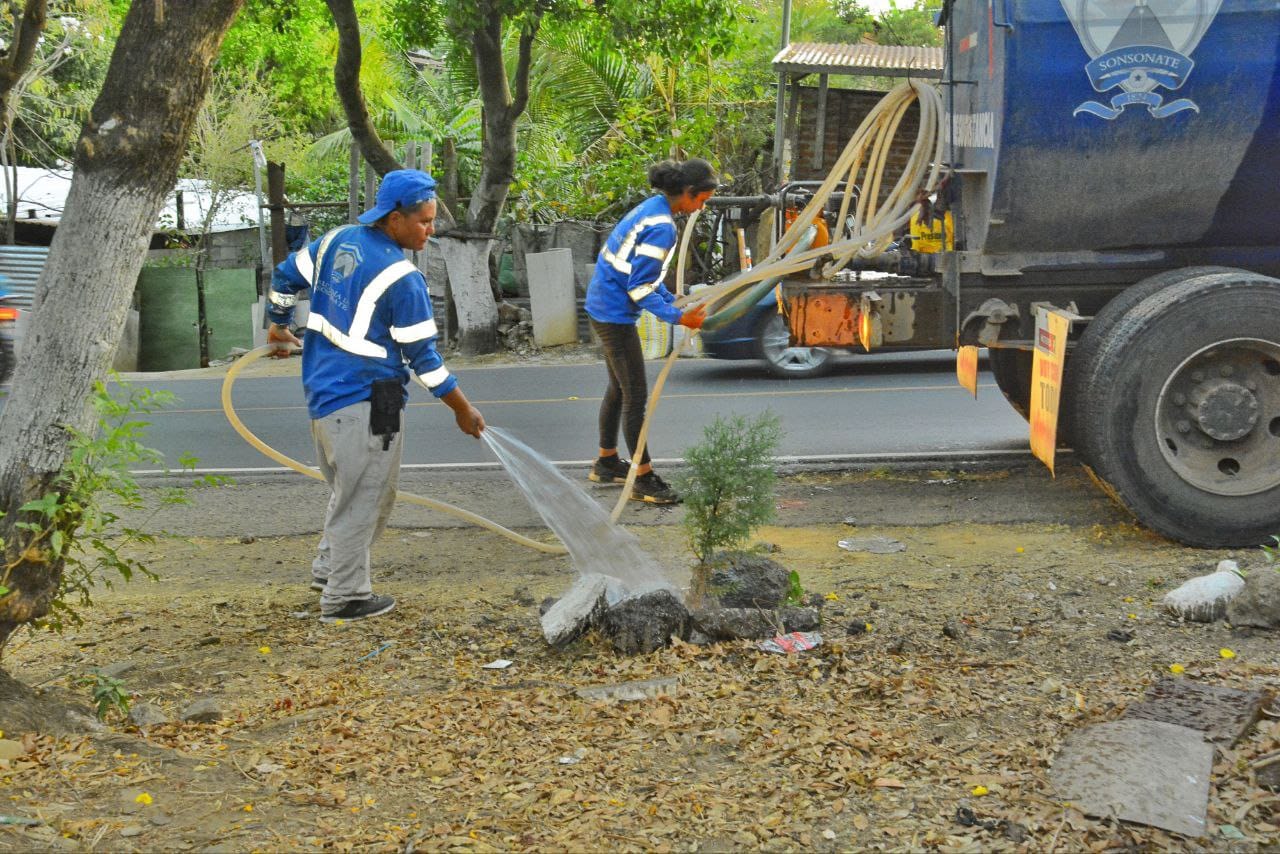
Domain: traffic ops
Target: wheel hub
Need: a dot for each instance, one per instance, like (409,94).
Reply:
(1218,417)
(1225,410)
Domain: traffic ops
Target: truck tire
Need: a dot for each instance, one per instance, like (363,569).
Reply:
(1082,361)
(783,360)
(1182,420)
(1012,371)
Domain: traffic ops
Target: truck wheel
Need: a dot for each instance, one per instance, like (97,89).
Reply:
(1012,370)
(1082,361)
(1182,420)
(773,341)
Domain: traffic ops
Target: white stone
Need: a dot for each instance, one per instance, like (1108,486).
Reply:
(1204,599)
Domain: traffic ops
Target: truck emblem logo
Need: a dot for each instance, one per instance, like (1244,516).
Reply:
(1139,46)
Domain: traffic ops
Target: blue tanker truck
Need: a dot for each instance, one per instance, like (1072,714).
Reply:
(1116,164)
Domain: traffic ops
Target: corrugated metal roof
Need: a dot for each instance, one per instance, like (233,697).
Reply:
(873,59)
(21,266)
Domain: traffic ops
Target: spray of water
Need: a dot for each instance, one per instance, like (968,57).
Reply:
(595,544)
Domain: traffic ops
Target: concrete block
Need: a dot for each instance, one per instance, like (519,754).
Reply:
(551,297)
(577,610)
(1144,771)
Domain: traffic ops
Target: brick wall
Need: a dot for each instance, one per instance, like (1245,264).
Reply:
(846,108)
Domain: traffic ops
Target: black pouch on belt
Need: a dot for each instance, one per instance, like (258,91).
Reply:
(384,409)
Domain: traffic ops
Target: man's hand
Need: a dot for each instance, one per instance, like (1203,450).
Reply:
(470,421)
(283,339)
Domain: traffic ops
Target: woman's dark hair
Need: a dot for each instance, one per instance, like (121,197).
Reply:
(673,178)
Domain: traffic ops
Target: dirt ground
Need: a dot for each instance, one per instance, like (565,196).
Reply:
(389,734)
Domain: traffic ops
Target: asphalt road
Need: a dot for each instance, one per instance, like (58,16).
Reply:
(890,405)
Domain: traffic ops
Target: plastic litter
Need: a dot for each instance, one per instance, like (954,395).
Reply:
(497,664)
(380,649)
(874,545)
(794,642)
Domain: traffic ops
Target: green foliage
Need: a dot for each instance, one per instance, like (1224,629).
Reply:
(1272,551)
(795,590)
(728,482)
(676,30)
(294,44)
(108,694)
(415,24)
(53,98)
(909,25)
(75,524)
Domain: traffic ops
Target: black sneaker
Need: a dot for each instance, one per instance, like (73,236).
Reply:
(611,469)
(654,490)
(358,609)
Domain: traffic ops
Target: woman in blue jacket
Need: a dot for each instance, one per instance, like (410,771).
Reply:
(628,278)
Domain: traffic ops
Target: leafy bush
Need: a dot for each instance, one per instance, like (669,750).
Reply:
(727,486)
(109,694)
(75,523)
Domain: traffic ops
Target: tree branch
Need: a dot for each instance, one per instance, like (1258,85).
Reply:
(346,79)
(26,37)
(521,99)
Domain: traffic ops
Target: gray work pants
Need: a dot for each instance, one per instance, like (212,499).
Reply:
(363,478)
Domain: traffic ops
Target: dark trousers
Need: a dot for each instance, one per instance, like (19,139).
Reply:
(625,398)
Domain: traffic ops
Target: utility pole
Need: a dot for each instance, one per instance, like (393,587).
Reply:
(779,113)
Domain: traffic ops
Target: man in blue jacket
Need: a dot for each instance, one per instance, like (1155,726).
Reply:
(369,330)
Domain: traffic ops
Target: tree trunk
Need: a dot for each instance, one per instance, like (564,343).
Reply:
(467,261)
(449,180)
(502,107)
(126,162)
(346,79)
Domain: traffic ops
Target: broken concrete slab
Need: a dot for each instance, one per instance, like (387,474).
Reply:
(642,624)
(1224,715)
(745,580)
(623,692)
(1145,771)
(1258,604)
(578,610)
(733,623)
(795,619)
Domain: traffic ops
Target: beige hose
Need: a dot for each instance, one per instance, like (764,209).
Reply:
(873,225)
(248,435)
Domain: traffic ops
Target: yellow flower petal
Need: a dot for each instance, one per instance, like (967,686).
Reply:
(1019,550)
(248,807)
(1133,616)
(832,597)
(1176,668)
(1226,653)
(979,791)
(265,650)
(143,799)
